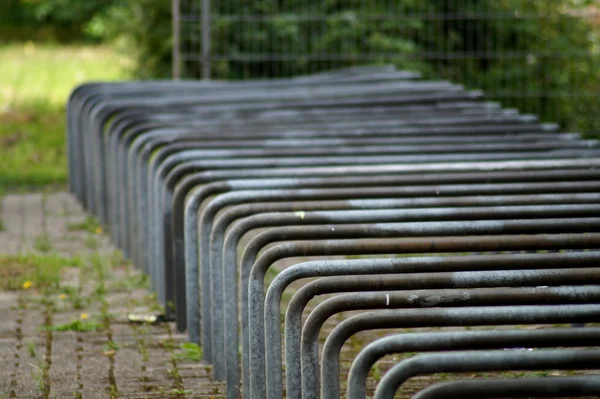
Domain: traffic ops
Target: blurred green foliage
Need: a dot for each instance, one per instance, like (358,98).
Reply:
(48,20)
(140,28)
(538,56)
(35,82)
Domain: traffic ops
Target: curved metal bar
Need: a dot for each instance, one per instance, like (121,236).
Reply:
(190,95)
(168,102)
(476,297)
(359,132)
(552,387)
(485,361)
(229,251)
(220,275)
(155,137)
(173,178)
(222,221)
(163,192)
(544,128)
(462,340)
(196,198)
(345,283)
(138,91)
(434,230)
(146,102)
(474,316)
(192,236)
(561,141)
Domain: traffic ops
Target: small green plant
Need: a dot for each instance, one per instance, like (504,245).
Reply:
(181,391)
(190,351)
(31,348)
(1,195)
(171,305)
(72,296)
(90,224)
(168,344)
(141,343)
(33,271)
(78,326)
(136,281)
(111,346)
(92,243)
(38,376)
(42,243)
(376,373)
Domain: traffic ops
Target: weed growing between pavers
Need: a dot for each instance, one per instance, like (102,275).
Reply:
(189,351)
(31,346)
(42,243)
(169,345)
(92,243)
(90,224)
(106,288)
(111,346)
(78,326)
(2,228)
(39,272)
(138,281)
(73,297)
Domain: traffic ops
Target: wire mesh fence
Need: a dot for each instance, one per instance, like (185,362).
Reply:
(541,57)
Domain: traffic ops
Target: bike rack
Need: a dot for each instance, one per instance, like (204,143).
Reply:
(408,203)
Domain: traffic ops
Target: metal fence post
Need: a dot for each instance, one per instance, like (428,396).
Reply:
(176,18)
(206,37)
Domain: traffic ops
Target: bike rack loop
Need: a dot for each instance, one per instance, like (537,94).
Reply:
(485,361)
(454,341)
(514,388)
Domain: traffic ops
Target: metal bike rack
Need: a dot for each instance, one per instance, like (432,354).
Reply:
(465,214)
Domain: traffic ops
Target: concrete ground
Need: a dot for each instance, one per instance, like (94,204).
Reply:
(72,338)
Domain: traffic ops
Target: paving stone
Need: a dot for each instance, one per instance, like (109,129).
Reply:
(81,364)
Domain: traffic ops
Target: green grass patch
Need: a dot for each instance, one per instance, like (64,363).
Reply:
(92,243)
(111,346)
(35,83)
(34,73)
(78,326)
(42,243)
(72,296)
(128,284)
(189,351)
(2,228)
(31,348)
(41,272)
(90,224)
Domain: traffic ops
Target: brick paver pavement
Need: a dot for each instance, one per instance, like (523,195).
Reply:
(119,359)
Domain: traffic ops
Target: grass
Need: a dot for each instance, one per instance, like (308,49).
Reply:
(74,297)
(2,227)
(130,283)
(111,346)
(42,243)
(189,351)
(31,349)
(35,82)
(41,272)
(90,224)
(78,326)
